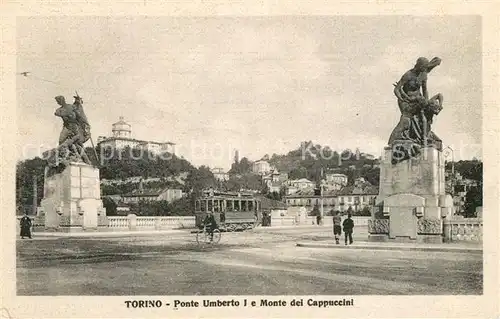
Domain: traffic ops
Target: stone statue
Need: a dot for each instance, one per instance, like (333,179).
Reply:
(417,111)
(75,132)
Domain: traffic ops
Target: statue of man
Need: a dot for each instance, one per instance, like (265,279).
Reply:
(75,131)
(417,110)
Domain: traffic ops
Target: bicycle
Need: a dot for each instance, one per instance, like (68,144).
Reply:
(204,236)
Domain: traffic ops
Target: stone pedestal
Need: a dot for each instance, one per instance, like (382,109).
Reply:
(412,202)
(72,200)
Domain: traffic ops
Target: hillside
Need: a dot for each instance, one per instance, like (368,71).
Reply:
(309,160)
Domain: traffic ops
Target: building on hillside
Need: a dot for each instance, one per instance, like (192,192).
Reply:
(310,198)
(153,194)
(358,196)
(271,177)
(367,156)
(122,209)
(283,177)
(300,184)
(122,138)
(335,181)
(275,187)
(261,167)
(220,174)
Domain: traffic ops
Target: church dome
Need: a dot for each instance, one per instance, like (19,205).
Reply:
(121,128)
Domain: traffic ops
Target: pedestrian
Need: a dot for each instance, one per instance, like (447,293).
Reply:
(25,223)
(337,227)
(348,227)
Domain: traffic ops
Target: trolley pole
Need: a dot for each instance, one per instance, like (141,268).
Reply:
(35,196)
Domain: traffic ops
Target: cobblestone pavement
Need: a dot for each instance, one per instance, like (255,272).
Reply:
(253,262)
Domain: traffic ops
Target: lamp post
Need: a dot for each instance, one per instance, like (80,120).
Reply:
(447,152)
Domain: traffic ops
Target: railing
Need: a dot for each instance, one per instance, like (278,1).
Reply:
(463,229)
(118,222)
(133,222)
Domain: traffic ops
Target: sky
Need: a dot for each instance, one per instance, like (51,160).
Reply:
(260,85)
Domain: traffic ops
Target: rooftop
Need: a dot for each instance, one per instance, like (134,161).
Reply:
(148,192)
(113,138)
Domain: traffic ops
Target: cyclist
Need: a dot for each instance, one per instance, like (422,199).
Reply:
(210,225)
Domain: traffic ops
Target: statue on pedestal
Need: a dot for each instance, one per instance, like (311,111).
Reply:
(417,112)
(75,132)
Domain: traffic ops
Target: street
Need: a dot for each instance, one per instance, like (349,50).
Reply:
(263,262)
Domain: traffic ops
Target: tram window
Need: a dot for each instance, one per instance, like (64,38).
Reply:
(210,205)
(216,205)
(250,205)
(203,205)
(229,205)
(197,205)
(237,205)
(243,205)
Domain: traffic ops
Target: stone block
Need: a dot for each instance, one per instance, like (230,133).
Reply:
(72,200)
(402,218)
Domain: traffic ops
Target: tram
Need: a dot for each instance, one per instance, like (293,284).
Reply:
(233,211)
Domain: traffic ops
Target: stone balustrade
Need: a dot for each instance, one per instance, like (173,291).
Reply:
(463,229)
(454,229)
(133,222)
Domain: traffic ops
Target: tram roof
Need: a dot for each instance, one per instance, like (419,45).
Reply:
(227,195)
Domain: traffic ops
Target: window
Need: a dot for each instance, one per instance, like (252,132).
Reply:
(216,205)
(210,205)
(237,205)
(250,206)
(349,199)
(229,205)
(203,205)
(244,206)
(197,205)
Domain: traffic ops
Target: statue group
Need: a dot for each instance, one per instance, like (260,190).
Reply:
(417,111)
(74,134)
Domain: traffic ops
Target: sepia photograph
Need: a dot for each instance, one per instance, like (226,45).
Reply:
(219,157)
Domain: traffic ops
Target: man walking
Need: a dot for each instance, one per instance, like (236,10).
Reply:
(337,228)
(25,223)
(348,227)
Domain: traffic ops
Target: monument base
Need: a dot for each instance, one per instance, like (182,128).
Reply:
(72,200)
(420,239)
(412,202)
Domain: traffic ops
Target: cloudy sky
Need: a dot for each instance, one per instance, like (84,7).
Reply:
(259,85)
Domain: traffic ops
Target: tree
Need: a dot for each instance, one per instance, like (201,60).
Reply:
(110,206)
(244,166)
(366,211)
(274,196)
(200,179)
(473,199)
(182,207)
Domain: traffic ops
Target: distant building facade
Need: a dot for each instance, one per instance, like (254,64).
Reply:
(261,167)
(358,196)
(309,199)
(335,181)
(122,138)
(155,194)
(220,174)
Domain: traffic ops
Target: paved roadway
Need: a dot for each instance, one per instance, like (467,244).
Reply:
(254,262)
